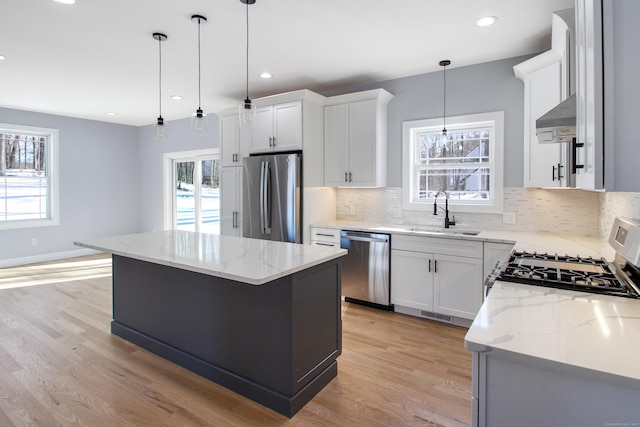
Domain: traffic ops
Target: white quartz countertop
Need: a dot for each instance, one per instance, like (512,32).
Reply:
(562,244)
(591,334)
(251,261)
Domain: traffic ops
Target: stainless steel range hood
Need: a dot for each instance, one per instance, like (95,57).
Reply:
(559,123)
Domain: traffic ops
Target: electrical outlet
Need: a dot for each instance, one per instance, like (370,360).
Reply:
(509,218)
(34,241)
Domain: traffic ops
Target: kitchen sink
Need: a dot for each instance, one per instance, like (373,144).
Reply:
(431,230)
(445,231)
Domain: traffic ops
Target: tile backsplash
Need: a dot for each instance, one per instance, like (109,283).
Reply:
(585,213)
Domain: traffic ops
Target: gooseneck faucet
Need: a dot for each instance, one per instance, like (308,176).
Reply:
(447,222)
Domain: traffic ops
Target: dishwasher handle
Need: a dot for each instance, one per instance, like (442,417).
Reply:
(364,237)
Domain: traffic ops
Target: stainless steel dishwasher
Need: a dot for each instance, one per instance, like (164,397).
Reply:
(365,269)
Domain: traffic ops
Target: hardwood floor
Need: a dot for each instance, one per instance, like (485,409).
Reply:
(60,366)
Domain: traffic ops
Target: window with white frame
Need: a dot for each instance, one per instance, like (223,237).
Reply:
(467,165)
(28,176)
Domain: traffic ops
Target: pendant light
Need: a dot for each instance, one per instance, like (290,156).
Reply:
(199,119)
(158,127)
(444,138)
(247,110)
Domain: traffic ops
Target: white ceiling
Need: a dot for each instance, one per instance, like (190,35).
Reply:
(99,56)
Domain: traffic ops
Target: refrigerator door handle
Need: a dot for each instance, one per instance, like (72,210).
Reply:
(265,198)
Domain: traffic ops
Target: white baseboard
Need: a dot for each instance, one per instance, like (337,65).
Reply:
(46,257)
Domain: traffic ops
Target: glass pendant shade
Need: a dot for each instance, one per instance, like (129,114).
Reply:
(246,110)
(199,122)
(247,114)
(444,138)
(158,129)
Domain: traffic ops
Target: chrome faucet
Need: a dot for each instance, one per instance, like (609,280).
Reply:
(447,222)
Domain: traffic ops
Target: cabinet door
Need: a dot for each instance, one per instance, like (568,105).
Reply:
(543,91)
(261,139)
(336,145)
(589,93)
(457,285)
(230,201)
(229,141)
(362,143)
(411,279)
(287,126)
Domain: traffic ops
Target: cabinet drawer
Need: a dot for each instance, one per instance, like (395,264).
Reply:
(325,235)
(457,247)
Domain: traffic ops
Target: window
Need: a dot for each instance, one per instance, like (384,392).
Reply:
(467,166)
(192,191)
(28,176)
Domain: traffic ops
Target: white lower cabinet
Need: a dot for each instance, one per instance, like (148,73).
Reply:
(325,237)
(440,277)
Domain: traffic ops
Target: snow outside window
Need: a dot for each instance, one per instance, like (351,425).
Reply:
(28,168)
(467,165)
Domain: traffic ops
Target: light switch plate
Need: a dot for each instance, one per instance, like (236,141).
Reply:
(509,218)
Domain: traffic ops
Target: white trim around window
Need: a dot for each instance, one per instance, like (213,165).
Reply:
(49,214)
(428,163)
(168,183)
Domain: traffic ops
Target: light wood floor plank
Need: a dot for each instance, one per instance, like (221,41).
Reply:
(60,365)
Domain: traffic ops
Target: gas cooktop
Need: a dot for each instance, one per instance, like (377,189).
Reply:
(594,275)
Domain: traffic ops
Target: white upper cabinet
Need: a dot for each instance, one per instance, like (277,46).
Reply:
(355,139)
(544,164)
(547,81)
(278,128)
(589,93)
(608,94)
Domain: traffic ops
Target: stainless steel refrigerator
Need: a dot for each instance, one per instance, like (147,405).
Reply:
(272,197)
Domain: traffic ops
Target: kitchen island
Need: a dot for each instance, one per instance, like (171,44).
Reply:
(261,318)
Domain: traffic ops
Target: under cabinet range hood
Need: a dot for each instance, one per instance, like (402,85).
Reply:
(559,123)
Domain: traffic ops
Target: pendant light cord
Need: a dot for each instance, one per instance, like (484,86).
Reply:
(160,74)
(444,98)
(247,49)
(199,75)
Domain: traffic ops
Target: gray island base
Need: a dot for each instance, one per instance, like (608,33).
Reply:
(276,343)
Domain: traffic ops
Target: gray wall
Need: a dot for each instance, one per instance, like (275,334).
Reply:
(150,152)
(110,180)
(491,86)
(99,192)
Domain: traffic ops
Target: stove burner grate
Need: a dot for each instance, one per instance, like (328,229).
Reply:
(565,272)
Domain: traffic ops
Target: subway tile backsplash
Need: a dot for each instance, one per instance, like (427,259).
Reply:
(585,213)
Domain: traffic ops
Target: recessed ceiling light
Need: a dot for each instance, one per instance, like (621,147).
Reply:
(2,57)
(266,75)
(176,97)
(65,1)
(485,21)
(111,113)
